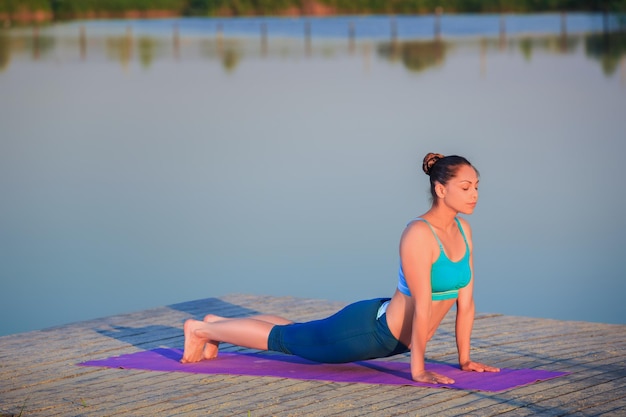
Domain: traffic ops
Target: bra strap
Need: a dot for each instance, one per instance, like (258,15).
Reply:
(458,222)
(435,234)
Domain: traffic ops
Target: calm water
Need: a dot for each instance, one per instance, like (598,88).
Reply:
(148,163)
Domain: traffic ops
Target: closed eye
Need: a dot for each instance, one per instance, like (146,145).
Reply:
(466,184)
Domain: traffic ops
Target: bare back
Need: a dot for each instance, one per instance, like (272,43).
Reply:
(400,316)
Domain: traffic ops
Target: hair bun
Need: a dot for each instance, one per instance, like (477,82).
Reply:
(429,160)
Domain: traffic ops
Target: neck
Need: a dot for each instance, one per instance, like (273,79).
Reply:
(441,217)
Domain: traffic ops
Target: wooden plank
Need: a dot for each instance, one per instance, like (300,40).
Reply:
(38,369)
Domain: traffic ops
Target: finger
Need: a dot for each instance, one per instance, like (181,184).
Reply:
(486,368)
(442,379)
(474,367)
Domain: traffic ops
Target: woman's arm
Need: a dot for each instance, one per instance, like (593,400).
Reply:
(465,310)
(464,322)
(416,252)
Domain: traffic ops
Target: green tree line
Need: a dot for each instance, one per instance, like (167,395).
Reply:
(75,8)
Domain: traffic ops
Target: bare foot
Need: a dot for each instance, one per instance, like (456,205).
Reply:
(211,348)
(194,345)
(210,318)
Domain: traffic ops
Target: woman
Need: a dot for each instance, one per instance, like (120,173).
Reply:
(436,271)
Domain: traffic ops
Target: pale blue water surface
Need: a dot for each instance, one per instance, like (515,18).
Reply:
(149,163)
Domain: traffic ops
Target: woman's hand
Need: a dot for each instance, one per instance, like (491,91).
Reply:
(432,378)
(478,367)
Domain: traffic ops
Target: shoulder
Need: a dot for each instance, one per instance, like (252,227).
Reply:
(418,250)
(416,228)
(416,233)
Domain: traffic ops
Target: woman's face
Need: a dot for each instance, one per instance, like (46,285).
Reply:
(461,192)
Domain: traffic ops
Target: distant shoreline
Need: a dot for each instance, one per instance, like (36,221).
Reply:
(47,11)
(46,16)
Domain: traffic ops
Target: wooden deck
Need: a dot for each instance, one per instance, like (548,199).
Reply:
(39,376)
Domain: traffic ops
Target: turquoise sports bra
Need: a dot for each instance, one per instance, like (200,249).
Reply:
(446,277)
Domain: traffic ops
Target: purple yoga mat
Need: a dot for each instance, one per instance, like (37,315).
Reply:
(285,366)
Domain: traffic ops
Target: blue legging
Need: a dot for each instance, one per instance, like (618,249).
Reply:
(352,334)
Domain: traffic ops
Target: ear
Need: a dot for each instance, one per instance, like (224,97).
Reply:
(440,190)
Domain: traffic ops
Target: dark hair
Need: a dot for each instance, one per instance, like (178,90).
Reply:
(441,169)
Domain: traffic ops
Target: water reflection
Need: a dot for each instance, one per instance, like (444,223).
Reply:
(120,48)
(556,45)
(132,165)
(416,56)
(230,59)
(83,43)
(608,49)
(147,50)
(35,44)
(5,51)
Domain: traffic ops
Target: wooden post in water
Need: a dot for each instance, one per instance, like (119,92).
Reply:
(483,57)
(127,48)
(438,12)
(307,37)
(351,36)
(219,38)
(563,31)
(82,41)
(502,31)
(36,41)
(176,41)
(395,46)
(263,39)
(605,29)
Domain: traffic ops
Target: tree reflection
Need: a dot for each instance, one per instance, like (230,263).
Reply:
(146,48)
(5,51)
(608,49)
(556,44)
(227,52)
(567,44)
(120,48)
(230,59)
(416,56)
(40,45)
(526,46)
